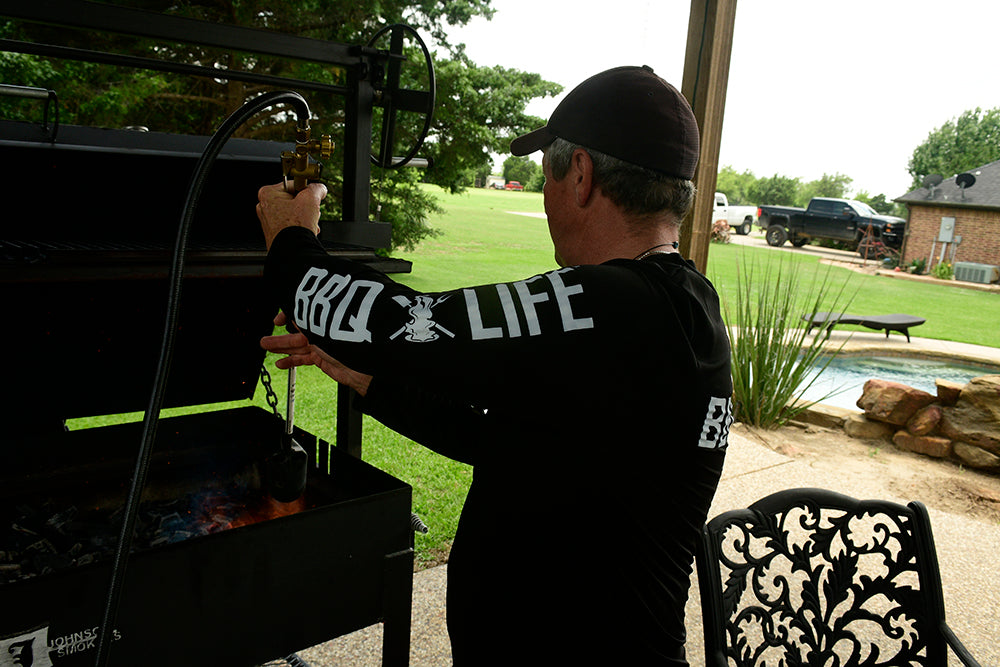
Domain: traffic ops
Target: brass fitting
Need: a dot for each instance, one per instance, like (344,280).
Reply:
(295,165)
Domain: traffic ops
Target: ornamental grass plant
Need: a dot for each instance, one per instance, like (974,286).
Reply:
(775,359)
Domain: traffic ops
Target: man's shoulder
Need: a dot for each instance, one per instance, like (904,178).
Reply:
(667,271)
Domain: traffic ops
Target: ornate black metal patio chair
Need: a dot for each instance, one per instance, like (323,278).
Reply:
(813,577)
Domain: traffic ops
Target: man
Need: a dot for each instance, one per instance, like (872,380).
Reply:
(593,401)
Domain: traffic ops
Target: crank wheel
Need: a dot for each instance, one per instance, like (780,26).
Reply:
(407,113)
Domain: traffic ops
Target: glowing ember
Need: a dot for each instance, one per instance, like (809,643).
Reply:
(51,536)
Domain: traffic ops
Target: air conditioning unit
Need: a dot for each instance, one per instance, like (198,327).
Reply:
(971,272)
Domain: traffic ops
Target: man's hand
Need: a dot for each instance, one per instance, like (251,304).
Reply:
(278,209)
(301,353)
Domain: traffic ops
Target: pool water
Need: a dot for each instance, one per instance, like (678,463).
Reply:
(846,375)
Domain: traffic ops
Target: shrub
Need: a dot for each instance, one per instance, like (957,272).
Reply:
(943,271)
(774,359)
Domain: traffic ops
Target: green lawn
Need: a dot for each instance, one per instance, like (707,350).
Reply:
(953,313)
(483,242)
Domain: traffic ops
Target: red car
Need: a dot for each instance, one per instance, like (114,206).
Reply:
(513,185)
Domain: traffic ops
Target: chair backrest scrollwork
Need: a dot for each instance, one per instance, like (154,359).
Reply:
(813,577)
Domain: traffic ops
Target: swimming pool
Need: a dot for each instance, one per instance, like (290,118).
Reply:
(847,375)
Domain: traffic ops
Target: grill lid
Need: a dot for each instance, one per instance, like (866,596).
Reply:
(85,251)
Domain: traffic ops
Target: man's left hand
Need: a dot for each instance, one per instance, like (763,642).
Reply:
(278,209)
(299,351)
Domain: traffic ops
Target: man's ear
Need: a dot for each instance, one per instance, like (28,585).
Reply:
(582,171)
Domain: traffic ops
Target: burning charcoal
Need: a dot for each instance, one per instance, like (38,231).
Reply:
(59,520)
(170,522)
(26,512)
(52,535)
(41,546)
(102,538)
(48,563)
(24,530)
(10,572)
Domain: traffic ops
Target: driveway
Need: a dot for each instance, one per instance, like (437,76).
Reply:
(756,239)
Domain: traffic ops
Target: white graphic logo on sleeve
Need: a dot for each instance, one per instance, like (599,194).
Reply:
(314,305)
(718,419)
(532,303)
(339,307)
(421,328)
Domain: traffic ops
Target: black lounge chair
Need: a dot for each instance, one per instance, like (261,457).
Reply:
(898,322)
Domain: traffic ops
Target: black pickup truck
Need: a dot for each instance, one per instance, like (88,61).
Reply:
(846,220)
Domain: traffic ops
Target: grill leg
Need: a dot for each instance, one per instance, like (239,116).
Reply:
(349,422)
(397,602)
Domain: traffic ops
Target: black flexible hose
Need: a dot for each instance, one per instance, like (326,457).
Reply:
(152,415)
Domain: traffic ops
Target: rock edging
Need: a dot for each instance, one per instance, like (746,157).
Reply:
(959,422)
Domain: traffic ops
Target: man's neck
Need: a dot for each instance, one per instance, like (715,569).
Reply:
(628,238)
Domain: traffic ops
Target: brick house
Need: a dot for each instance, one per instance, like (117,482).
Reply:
(956,225)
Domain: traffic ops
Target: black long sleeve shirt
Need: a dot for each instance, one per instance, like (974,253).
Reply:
(594,404)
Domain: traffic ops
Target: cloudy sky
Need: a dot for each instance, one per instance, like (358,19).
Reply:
(849,87)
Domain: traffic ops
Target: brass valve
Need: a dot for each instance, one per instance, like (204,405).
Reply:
(295,165)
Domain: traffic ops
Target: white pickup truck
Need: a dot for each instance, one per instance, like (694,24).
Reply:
(740,218)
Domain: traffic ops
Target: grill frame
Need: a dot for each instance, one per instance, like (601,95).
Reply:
(45,263)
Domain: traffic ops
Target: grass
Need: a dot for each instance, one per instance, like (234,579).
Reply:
(481,242)
(953,313)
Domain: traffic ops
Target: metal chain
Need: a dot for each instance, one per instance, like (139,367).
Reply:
(270,396)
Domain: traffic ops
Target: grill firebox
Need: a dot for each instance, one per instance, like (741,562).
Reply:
(236,597)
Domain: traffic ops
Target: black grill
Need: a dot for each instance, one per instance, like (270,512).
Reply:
(85,253)
(236,597)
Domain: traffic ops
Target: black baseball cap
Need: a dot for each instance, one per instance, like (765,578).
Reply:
(629,113)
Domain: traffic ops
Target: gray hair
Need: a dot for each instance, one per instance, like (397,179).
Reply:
(636,190)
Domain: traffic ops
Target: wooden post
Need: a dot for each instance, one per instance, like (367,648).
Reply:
(706,76)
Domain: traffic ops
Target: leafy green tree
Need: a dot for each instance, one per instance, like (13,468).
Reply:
(880,204)
(478,108)
(836,185)
(537,182)
(966,142)
(745,188)
(776,190)
(519,168)
(736,186)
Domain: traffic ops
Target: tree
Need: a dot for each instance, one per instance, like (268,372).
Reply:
(736,186)
(519,168)
(479,108)
(880,204)
(777,191)
(836,186)
(537,182)
(966,142)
